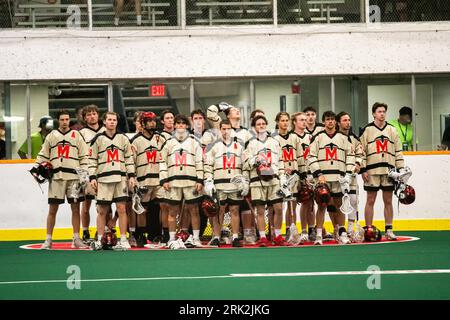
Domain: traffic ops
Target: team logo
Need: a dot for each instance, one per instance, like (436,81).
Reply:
(63,150)
(288,153)
(151,156)
(331,152)
(112,154)
(180,159)
(229,161)
(382,144)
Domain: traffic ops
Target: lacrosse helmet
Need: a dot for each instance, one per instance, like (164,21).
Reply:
(265,172)
(210,207)
(183,235)
(43,172)
(147,116)
(372,234)
(322,194)
(109,240)
(305,192)
(407,195)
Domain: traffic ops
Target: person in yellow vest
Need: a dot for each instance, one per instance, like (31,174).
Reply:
(404,128)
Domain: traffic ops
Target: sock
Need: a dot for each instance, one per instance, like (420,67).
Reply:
(310,229)
(48,237)
(277,232)
(132,229)
(116,21)
(76,236)
(235,236)
(319,232)
(166,234)
(196,234)
(139,20)
(99,237)
(262,234)
(85,229)
(172,236)
(388,227)
(247,232)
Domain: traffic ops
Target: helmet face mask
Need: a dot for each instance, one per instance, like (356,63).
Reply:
(43,172)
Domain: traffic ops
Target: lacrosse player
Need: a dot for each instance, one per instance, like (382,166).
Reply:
(66,150)
(331,157)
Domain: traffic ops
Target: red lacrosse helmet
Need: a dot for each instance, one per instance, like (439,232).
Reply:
(210,207)
(44,171)
(147,116)
(265,172)
(322,194)
(407,195)
(305,192)
(109,240)
(183,235)
(372,234)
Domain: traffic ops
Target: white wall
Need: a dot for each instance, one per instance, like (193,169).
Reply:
(225,52)
(24,206)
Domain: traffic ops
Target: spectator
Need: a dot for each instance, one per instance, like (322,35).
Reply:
(2,143)
(119,9)
(79,124)
(37,139)
(404,128)
(445,144)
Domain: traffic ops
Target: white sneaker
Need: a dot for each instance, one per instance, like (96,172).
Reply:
(343,238)
(304,237)
(176,244)
(78,244)
(122,245)
(96,245)
(318,241)
(389,235)
(189,243)
(197,243)
(250,239)
(116,22)
(47,245)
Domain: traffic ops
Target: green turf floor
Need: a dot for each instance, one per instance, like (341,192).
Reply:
(432,251)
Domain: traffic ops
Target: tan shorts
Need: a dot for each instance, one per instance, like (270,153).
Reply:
(112,192)
(58,190)
(229,198)
(189,194)
(153,193)
(335,188)
(377,182)
(265,195)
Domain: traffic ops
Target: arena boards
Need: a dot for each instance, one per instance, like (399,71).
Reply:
(151,247)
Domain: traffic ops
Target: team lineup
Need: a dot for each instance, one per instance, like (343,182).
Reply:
(173,173)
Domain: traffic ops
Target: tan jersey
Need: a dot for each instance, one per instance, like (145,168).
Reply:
(292,152)
(147,156)
(333,156)
(223,162)
(305,141)
(317,128)
(182,162)
(65,151)
(271,150)
(382,148)
(166,135)
(89,134)
(357,146)
(111,159)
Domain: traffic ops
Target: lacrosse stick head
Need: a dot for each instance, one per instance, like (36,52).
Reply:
(83,176)
(136,204)
(74,191)
(346,207)
(239,181)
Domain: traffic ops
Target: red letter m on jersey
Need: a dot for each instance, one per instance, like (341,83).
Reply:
(229,163)
(331,153)
(63,151)
(151,156)
(288,154)
(180,159)
(268,157)
(113,155)
(382,145)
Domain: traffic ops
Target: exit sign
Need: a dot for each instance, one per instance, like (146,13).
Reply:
(157,90)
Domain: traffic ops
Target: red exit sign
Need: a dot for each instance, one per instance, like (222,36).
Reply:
(157,90)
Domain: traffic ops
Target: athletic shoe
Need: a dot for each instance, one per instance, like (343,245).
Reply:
(312,234)
(250,239)
(263,242)
(236,243)
(304,238)
(197,243)
(389,235)
(141,240)
(279,241)
(86,236)
(122,245)
(47,245)
(189,243)
(176,244)
(326,236)
(343,238)
(294,237)
(132,240)
(78,244)
(215,242)
(318,240)
(96,245)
